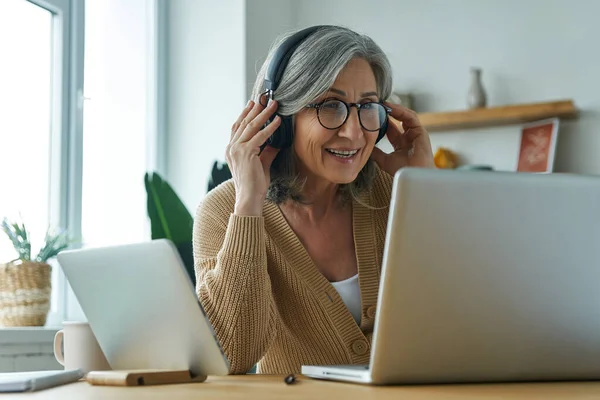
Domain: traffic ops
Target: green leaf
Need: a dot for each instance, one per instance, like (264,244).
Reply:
(169,218)
(157,219)
(54,243)
(19,237)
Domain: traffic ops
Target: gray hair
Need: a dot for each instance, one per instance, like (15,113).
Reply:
(310,72)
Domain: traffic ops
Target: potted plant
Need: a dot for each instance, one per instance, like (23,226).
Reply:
(169,217)
(25,282)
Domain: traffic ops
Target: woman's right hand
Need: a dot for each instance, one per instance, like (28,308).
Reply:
(249,167)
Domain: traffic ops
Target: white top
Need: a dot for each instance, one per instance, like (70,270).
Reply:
(349,291)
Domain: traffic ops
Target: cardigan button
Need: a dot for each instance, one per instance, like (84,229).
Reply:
(360,347)
(371,311)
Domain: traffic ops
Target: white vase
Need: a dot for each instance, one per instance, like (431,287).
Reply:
(476,98)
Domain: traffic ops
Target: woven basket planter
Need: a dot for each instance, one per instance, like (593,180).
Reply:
(25,290)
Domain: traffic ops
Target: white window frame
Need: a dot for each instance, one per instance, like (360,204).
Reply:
(157,83)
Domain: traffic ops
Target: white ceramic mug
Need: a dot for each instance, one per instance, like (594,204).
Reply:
(75,346)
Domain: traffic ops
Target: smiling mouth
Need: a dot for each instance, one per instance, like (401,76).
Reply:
(342,153)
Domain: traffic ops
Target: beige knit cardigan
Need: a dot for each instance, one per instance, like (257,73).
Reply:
(265,298)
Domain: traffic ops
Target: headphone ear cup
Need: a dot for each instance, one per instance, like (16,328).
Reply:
(283,135)
(382,131)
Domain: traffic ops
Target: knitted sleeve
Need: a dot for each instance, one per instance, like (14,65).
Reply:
(233,285)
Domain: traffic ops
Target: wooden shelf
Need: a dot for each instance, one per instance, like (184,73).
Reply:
(497,116)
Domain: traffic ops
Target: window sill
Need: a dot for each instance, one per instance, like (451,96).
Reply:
(27,335)
(27,349)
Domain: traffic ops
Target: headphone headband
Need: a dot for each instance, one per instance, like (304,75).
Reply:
(282,56)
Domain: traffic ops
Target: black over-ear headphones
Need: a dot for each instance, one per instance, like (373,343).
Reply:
(283,136)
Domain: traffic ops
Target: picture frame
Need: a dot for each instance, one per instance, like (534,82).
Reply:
(537,146)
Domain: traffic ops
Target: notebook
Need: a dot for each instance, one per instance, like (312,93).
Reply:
(37,380)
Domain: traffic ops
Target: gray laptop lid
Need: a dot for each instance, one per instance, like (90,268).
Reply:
(489,276)
(142,307)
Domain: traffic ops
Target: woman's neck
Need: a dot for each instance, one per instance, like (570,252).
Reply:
(320,199)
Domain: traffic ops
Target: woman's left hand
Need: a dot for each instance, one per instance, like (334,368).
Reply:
(412,147)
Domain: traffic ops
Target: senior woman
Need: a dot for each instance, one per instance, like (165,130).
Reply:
(288,252)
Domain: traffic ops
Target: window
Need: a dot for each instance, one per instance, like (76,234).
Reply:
(38,77)
(119,123)
(26,82)
(116,122)
(78,161)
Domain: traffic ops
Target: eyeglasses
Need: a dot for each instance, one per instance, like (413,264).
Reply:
(333,113)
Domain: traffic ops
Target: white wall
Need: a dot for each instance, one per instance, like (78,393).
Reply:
(265,20)
(529,51)
(205,88)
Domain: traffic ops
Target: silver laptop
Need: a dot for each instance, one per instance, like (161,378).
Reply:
(486,277)
(142,308)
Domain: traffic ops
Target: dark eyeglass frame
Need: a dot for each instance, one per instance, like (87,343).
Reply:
(358,106)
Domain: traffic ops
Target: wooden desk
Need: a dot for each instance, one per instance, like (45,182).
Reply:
(249,387)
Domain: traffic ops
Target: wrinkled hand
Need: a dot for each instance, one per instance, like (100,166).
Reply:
(412,147)
(250,168)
